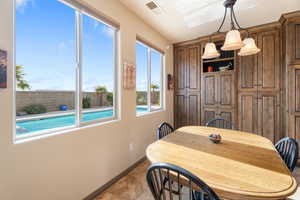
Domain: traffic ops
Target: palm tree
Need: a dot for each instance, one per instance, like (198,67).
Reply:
(100,89)
(21,82)
(154,87)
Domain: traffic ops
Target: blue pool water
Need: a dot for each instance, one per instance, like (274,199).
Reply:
(30,126)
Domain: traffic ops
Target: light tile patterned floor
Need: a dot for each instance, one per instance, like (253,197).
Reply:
(134,186)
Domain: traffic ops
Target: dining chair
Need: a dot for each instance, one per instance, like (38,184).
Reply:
(164,129)
(162,190)
(220,123)
(288,150)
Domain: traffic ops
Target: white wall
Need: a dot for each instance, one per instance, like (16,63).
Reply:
(72,165)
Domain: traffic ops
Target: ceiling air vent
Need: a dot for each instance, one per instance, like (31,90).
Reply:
(154,7)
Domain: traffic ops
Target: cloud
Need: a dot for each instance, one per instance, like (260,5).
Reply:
(22,4)
(108,31)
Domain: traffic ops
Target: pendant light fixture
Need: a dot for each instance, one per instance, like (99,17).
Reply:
(233,39)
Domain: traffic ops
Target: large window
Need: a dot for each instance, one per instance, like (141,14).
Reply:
(149,79)
(65,67)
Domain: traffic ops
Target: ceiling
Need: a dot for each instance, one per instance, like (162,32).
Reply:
(180,20)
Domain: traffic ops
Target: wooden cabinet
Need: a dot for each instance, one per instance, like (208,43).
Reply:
(259,87)
(260,95)
(291,63)
(187,86)
(218,96)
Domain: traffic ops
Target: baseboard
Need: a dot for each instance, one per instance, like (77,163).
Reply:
(96,193)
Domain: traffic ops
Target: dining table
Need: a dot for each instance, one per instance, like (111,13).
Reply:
(243,166)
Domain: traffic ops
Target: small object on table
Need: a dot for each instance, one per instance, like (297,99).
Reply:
(210,69)
(215,138)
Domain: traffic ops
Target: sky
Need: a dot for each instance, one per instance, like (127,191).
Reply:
(45,47)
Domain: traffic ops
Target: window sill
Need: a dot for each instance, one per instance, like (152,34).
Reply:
(60,131)
(151,112)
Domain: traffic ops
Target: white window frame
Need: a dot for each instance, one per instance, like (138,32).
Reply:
(79,11)
(162,85)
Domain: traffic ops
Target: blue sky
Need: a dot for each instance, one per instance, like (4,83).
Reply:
(45,46)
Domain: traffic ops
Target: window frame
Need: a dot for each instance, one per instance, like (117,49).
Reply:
(151,49)
(79,10)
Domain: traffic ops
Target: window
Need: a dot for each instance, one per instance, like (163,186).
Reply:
(65,68)
(149,79)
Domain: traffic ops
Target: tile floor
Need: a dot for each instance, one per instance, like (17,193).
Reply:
(134,186)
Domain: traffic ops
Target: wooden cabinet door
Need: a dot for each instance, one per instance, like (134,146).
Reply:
(247,71)
(180,114)
(294,102)
(226,97)
(208,114)
(268,72)
(193,85)
(180,66)
(193,77)
(180,105)
(293,41)
(209,90)
(248,112)
(209,101)
(269,115)
(187,86)
(193,109)
(226,90)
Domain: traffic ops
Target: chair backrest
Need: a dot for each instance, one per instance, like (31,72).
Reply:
(288,150)
(161,189)
(220,123)
(163,130)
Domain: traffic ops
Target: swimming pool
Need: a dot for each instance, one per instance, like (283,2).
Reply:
(30,126)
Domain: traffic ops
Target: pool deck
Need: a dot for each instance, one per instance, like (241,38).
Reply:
(59,113)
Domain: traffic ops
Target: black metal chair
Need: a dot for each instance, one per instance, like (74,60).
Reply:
(162,190)
(163,130)
(288,150)
(220,123)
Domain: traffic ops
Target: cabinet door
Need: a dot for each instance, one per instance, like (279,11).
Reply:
(193,109)
(180,111)
(180,68)
(294,102)
(193,68)
(293,37)
(209,90)
(269,61)
(226,90)
(269,115)
(208,114)
(247,71)
(247,110)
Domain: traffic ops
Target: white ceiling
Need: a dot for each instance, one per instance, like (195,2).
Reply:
(181,20)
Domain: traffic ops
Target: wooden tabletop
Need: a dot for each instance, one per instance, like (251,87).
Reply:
(243,166)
